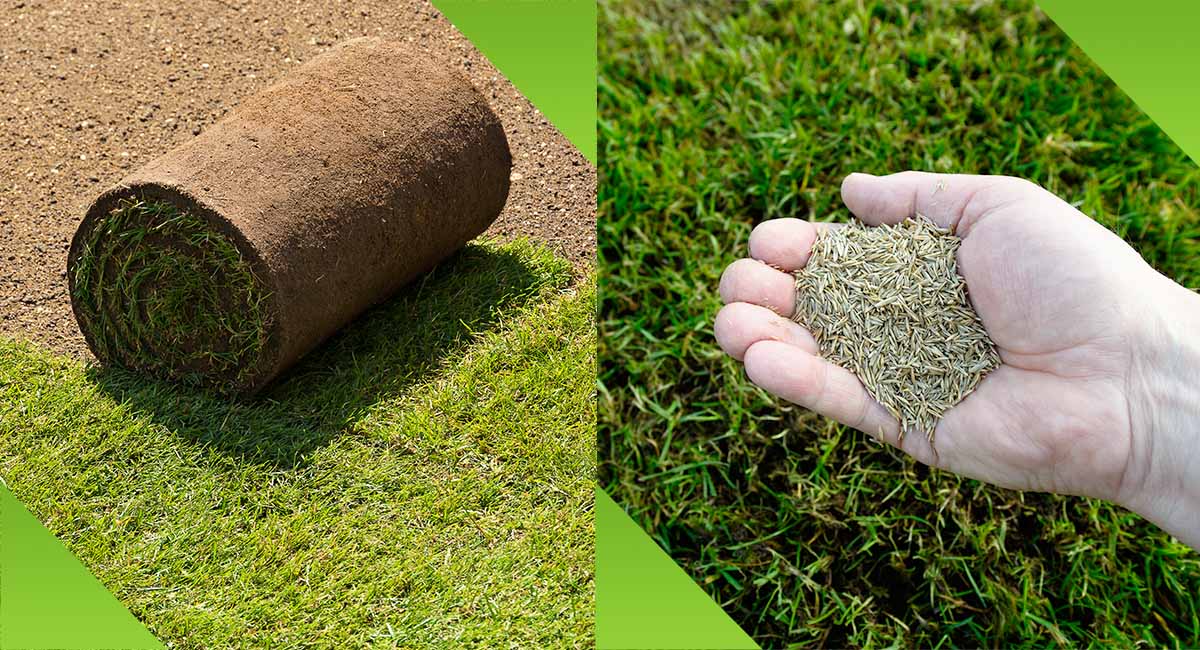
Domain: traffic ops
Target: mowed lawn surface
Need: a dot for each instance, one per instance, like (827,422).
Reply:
(425,479)
(806,532)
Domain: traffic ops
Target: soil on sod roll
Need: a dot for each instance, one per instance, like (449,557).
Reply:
(888,304)
(227,259)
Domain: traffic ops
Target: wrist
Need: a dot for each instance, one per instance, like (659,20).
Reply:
(1163,475)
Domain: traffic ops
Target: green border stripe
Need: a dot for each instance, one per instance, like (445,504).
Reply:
(644,600)
(547,48)
(1150,50)
(48,599)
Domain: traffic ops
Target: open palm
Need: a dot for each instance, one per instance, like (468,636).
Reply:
(1061,296)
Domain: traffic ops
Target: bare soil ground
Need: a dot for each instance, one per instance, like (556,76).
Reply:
(92,90)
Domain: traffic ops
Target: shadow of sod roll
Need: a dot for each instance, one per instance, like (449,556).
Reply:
(223,262)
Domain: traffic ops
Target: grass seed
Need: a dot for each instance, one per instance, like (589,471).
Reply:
(888,304)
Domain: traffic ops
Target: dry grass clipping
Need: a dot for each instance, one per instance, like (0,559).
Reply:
(888,304)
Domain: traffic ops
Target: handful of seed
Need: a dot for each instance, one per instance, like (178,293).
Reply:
(888,304)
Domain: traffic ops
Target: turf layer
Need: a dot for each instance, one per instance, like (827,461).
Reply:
(425,479)
(159,290)
(804,531)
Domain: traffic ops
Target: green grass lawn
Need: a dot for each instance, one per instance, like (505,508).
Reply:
(803,530)
(424,479)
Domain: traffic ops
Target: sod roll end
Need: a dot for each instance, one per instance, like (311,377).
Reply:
(227,259)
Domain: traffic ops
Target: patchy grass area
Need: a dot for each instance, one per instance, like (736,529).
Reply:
(424,480)
(804,531)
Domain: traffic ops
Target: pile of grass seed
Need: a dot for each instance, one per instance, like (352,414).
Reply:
(161,291)
(888,304)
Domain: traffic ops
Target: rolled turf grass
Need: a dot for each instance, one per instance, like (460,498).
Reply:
(227,259)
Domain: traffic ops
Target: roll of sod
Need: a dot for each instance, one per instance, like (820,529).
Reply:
(224,261)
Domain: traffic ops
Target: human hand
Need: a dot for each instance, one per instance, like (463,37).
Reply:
(1092,397)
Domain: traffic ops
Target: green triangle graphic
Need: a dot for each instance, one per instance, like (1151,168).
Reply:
(1149,49)
(48,599)
(548,51)
(644,600)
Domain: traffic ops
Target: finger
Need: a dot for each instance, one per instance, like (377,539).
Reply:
(943,198)
(741,324)
(752,281)
(785,243)
(814,383)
